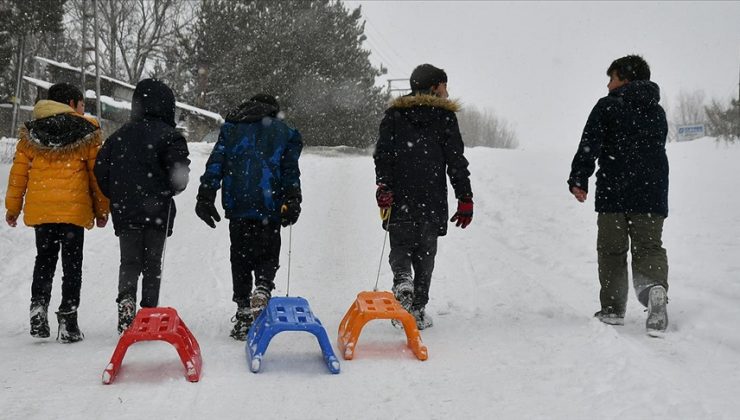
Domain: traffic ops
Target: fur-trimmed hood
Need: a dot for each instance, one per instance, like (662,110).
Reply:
(58,127)
(411,101)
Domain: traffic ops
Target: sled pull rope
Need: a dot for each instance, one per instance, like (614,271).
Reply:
(164,247)
(385,215)
(290,251)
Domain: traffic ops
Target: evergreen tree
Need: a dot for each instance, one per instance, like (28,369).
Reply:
(307,53)
(34,23)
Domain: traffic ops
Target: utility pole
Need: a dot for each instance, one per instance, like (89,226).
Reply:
(18,86)
(83,52)
(98,111)
(87,16)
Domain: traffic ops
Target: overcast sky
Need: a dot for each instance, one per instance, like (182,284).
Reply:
(542,65)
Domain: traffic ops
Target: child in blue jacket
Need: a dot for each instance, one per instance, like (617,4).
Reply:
(255,162)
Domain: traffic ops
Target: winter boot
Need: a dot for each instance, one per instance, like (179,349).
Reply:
(423,321)
(404,293)
(126,314)
(657,319)
(69,331)
(610,317)
(242,321)
(39,320)
(259,300)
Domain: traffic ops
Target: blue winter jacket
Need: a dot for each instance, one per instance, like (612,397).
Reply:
(255,161)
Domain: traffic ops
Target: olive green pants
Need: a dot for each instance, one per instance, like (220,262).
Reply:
(641,234)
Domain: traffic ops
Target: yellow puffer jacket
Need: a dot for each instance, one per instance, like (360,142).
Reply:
(56,180)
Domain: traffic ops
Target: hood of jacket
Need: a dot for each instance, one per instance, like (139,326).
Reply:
(251,111)
(639,93)
(153,100)
(423,109)
(57,126)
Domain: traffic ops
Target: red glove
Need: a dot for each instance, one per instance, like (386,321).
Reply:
(384,196)
(464,214)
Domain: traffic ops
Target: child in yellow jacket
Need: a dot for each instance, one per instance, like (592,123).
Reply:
(53,170)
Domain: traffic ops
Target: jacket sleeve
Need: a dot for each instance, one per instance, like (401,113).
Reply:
(457,165)
(176,162)
(291,173)
(101,205)
(101,169)
(18,180)
(210,181)
(384,155)
(584,161)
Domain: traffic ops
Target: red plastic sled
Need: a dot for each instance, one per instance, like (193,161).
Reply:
(158,324)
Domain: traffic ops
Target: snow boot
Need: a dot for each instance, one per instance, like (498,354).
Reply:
(657,319)
(423,321)
(126,314)
(242,321)
(69,331)
(610,317)
(39,320)
(404,293)
(259,300)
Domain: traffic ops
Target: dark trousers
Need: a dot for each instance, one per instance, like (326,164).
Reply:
(255,248)
(141,253)
(413,245)
(50,237)
(641,234)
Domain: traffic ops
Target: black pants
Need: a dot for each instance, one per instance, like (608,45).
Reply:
(50,237)
(255,247)
(414,245)
(141,252)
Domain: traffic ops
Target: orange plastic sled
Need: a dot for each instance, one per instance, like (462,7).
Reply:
(158,324)
(377,305)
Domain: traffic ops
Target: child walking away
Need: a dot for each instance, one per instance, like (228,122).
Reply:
(419,141)
(141,167)
(255,161)
(53,170)
(626,132)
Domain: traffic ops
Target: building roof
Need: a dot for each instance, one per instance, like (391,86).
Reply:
(112,101)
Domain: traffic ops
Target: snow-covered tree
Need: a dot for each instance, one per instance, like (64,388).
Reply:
(308,54)
(724,121)
(484,128)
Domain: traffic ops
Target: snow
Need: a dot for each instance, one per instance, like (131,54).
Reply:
(114,102)
(40,83)
(68,66)
(512,299)
(203,112)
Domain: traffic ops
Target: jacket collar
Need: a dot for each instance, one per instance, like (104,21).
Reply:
(411,100)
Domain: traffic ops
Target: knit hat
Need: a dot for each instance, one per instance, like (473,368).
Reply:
(266,99)
(425,76)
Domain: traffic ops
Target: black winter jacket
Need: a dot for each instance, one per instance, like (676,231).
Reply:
(144,163)
(419,141)
(626,132)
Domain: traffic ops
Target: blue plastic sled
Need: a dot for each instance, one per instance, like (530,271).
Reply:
(286,314)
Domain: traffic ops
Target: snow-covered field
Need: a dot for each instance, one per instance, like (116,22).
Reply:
(512,299)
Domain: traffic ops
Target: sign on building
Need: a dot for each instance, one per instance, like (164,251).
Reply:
(690,132)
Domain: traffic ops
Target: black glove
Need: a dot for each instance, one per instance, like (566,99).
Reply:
(290,211)
(207,212)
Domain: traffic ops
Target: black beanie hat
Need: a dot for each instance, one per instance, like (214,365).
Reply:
(425,76)
(266,99)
